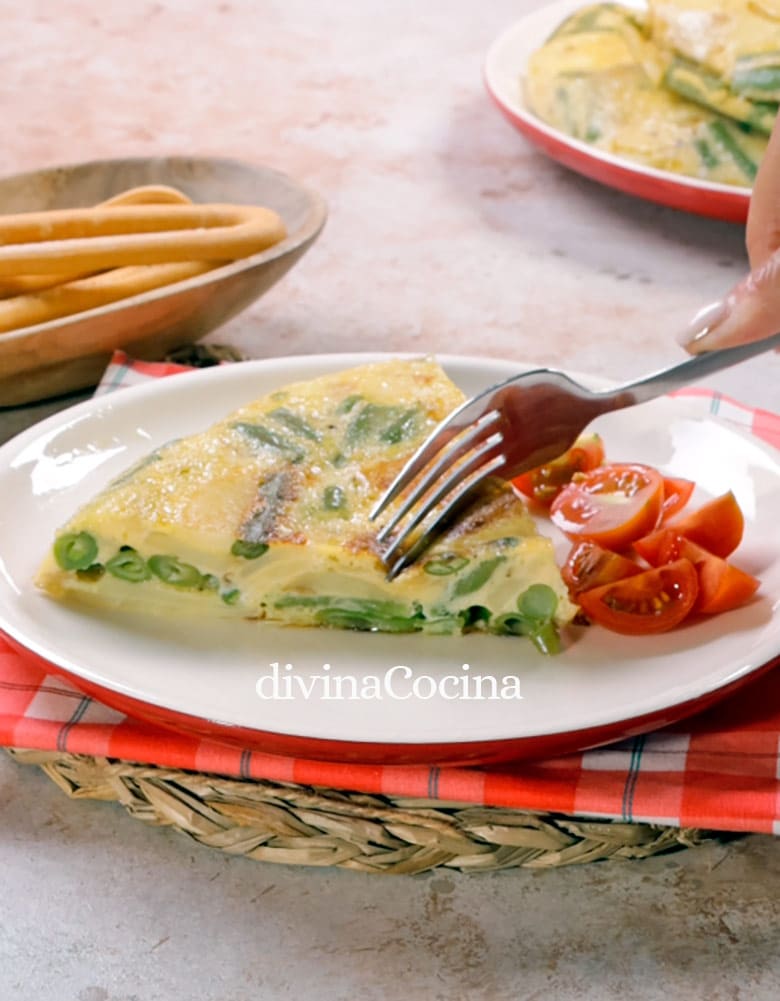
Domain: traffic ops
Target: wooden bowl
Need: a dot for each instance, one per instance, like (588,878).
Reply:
(71,353)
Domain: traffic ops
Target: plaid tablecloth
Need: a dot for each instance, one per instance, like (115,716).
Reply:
(719,770)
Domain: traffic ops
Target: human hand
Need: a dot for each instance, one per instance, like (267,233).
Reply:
(751,310)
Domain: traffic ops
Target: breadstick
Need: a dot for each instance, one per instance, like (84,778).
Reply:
(88,293)
(147,194)
(73,240)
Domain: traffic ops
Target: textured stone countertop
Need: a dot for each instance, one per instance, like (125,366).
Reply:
(447,232)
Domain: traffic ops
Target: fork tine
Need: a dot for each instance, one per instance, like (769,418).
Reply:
(460,496)
(476,462)
(467,414)
(446,457)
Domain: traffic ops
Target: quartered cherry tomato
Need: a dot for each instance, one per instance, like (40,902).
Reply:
(651,602)
(716,526)
(612,505)
(677,493)
(544,483)
(589,566)
(722,586)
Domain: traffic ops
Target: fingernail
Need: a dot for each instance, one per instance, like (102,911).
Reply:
(705,321)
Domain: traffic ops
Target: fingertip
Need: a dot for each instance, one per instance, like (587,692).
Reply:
(694,338)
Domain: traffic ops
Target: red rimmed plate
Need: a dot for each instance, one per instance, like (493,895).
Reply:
(209,678)
(504,68)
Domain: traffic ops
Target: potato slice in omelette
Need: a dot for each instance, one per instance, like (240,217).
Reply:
(266,516)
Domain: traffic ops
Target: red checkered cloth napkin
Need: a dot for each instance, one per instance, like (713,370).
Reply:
(719,770)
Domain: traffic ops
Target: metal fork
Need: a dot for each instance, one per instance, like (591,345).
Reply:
(510,428)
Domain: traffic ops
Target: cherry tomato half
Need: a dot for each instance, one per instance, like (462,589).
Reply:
(612,505)
(716,526)
(722,586)
(651,602)
(589,566)
(544,483)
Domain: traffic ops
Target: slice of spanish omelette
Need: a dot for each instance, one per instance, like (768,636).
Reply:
(601,79)
(266,515)
(736,40)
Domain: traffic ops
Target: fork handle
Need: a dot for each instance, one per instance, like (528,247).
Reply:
(689,371)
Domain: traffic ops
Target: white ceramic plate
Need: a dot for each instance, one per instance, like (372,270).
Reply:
(209,673)
(505,66)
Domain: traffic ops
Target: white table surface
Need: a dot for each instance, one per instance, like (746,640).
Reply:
(447,232)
